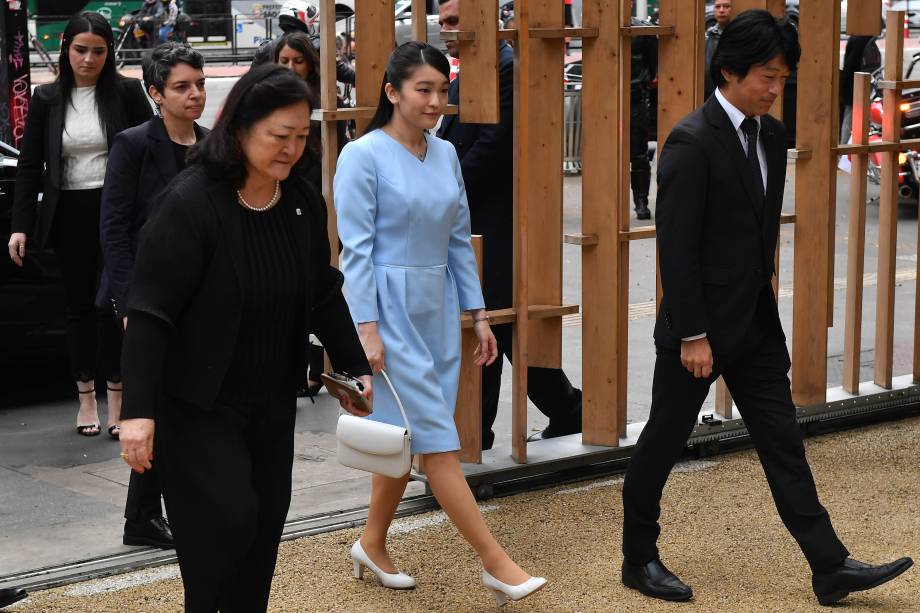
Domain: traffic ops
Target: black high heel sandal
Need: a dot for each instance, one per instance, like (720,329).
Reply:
(115,429)
(92,429)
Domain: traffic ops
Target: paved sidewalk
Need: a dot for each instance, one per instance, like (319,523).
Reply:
(720,533)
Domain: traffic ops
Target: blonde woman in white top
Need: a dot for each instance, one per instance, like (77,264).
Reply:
(65,148)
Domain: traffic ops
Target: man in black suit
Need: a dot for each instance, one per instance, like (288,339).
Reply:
(486,153)
(720,191)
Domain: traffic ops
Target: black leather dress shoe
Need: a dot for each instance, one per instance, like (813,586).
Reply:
(552,431)
(854,576)
(153,532)
(654,580)
(9,595)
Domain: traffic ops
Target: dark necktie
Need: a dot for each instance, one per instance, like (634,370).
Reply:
(749,127)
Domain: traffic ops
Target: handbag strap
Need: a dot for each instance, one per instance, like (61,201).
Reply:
(398,402)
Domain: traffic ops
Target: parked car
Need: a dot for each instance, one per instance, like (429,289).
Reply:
(911,7)
(31,297)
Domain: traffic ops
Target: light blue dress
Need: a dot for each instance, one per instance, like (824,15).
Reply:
(409,265)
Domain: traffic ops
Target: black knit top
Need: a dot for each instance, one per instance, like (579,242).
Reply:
(273,291)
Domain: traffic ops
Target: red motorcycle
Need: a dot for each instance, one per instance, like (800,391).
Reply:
(909,160)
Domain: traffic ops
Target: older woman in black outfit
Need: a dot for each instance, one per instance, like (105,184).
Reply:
(230,274)
(65,148)
(145,159)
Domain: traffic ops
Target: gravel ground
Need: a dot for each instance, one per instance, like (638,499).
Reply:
(721,534)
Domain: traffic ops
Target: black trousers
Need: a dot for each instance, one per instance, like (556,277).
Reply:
(226,476)
(758,381)
(93,335)
(548,388)
(640,169)
(144,493)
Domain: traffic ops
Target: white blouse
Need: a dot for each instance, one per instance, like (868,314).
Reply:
(84,147)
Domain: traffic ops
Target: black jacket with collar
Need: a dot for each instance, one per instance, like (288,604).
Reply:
(189,261)
(486,153)
(141,164)
(716,238)
(39,168)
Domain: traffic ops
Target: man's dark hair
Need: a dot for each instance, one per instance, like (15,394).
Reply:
(259,93)
(159,63)
(754,37)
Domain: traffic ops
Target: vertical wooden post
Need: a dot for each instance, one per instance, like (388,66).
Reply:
(420,20)
(888,205)
(856,238)
(544,188)
(479,87)
(468,412)
(522,144)
(865,18)
(604,317)
(815,190)
(328,101)
(375,29)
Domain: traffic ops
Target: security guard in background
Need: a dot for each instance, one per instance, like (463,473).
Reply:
(644,71)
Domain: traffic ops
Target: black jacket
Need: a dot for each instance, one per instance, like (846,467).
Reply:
(189,260)
(39,168)
(716,244)
(141,164)
(486,153)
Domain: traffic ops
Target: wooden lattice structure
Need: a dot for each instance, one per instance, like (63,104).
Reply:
(606,231)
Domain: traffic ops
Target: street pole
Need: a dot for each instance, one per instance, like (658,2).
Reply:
(15,86)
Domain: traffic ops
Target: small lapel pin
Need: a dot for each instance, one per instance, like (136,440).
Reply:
(298,211)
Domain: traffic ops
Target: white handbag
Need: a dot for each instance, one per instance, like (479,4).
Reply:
(373,446)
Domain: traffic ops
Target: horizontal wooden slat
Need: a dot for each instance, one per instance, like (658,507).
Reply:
(511,34)
(648,232)
(537,311)
(457,35)
(563,32)
(359,112)
(647,31)
(898,84)
(638,234)
(880,146)
(798,154)
(580,239)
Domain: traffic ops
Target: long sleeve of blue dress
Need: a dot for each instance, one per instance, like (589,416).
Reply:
(461,260)
(355,189)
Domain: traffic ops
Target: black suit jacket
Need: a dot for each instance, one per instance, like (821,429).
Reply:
(716,239)
(189,260)
(39,167)
(486,153)
(141,165)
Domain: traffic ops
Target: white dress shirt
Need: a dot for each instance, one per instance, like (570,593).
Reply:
(736,117)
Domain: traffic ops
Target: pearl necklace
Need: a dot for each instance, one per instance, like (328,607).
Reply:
(271,203)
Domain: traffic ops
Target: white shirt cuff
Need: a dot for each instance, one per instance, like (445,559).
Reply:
(694,338)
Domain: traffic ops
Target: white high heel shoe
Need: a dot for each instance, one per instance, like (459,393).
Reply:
(394,581)
(504,592)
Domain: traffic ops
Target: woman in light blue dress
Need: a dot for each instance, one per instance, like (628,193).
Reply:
(409,270)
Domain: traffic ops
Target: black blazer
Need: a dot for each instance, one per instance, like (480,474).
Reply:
(189,260)
(486,153)
(716,241)
(141,164)
(39,167)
